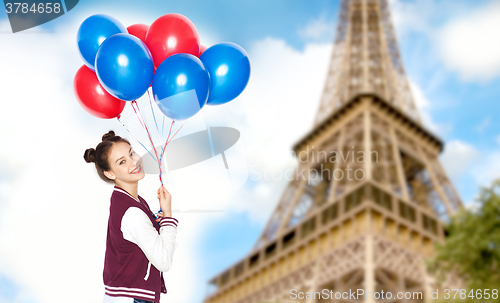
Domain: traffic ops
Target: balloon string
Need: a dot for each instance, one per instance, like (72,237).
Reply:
(138,113)
(165,146)
(153,113)
(168,141)
(176,132)
(170,130)
(162,125)
(139,116)
(140,121)
(143,124)
(118,118)
(158,131)
(147,130)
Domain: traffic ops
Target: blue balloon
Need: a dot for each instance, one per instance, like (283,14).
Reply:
(229,69)
(124,66)
(180,86)
(93,32)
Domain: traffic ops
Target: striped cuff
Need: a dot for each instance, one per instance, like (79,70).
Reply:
(168,221)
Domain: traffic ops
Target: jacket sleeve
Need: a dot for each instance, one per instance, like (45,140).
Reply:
(158,248)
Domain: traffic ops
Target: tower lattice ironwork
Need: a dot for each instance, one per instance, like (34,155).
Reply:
(369,196)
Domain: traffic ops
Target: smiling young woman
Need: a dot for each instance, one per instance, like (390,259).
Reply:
(139,247)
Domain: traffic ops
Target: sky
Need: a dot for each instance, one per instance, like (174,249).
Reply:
(54,208)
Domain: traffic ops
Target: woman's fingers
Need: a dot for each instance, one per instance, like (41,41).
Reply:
(165,192)
(162,193)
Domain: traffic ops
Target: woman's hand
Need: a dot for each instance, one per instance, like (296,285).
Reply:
(165,201)
(160,216)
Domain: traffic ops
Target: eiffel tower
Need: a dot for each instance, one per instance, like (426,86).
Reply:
(369,197)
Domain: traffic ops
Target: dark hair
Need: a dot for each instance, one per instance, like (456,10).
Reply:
(100,154)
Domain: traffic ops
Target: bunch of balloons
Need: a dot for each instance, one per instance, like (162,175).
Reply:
(122,63)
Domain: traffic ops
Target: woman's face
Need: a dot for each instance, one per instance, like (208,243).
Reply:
(126,165)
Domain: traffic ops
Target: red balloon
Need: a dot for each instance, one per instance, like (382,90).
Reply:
(138,30)
(92,96)
(202,49)
(172,34)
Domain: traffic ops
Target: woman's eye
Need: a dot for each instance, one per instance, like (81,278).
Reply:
(123,161)
(132,153)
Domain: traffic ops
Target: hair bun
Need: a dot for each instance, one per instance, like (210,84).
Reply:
(89,155)
(108,136)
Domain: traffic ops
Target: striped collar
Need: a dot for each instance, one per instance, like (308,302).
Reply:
(121,190)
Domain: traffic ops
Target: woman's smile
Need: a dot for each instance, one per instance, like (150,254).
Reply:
(137,170)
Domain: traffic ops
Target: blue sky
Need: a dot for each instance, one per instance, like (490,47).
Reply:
(445,45)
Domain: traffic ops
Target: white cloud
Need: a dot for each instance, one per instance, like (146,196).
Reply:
(461,33)
(424,16)
(5,26)
(489,169)
(484,124)
(319,29)
(411,16)
(461,159)
(468,44)
(45,217)
(458,157)
(421,101)
(424,107)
